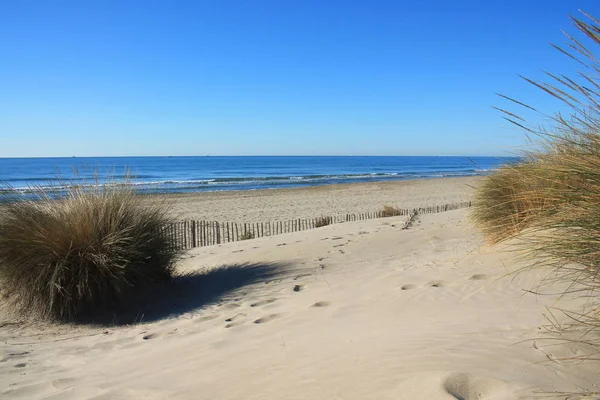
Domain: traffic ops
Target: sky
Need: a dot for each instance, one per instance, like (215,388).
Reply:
(273,77)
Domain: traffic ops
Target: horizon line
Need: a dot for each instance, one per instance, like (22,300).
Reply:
(262,155)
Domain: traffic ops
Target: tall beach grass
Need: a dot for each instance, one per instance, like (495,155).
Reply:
(61,258)
(550,201)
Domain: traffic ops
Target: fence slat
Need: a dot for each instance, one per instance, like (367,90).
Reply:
(185,234)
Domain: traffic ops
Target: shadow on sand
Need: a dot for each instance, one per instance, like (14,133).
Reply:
(188,292)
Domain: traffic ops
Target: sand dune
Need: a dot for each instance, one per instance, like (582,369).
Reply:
(360,310)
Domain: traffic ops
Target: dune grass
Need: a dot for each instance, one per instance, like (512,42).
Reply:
(247,235)
(555,190)
(61,258)
(508,201)
(550,201)
(323,221)
(390,211)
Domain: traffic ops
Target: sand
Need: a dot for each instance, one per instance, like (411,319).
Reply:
(359,310)
(311,202)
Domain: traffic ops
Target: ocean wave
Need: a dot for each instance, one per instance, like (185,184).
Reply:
(78,178)
(251,183)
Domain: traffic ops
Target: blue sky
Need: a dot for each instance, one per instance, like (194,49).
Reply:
(278,77)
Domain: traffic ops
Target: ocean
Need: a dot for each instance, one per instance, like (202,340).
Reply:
(196,174)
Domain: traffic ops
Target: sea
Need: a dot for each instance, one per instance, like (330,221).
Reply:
(211,173)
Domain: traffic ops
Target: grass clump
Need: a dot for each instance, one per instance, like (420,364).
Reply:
(247,235)
(323,221)
(550,200)
(390,211)
(61,258)
(508,201)
(553,193)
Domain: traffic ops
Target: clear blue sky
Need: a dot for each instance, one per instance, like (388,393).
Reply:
(278,77)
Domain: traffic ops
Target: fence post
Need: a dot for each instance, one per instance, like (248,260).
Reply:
(207,227)
(207,232)
(202,234)
(193,231)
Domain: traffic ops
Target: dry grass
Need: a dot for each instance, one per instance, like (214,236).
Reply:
(61,258)
(550,201)
(509,201)
(247,235)
(390,211)
(323,221)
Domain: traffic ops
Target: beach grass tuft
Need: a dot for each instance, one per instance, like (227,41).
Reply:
(509,200)
(247,235)
(61,258)
(390,211)
(549,202)
(553,194)
(323,221)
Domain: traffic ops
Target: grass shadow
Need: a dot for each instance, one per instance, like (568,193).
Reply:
(186,293)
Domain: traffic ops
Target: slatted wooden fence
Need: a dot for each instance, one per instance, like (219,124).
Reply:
(189,234)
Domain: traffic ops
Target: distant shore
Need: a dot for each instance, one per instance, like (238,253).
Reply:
(309,202)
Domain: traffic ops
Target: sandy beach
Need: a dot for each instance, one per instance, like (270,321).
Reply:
(314,201)
(277,200)
(359,310)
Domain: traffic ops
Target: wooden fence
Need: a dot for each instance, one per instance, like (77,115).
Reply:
(189,234)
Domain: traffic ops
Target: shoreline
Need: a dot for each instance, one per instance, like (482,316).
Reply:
(313,201)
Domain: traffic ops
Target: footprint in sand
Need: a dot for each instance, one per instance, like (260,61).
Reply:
(235,317)
(321,304)
(262,303)
(10,356)
(21,365)
(266,319)
(149,336)
(299,288)
(408,286)
(479,277)
(470,386)
(234,323)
